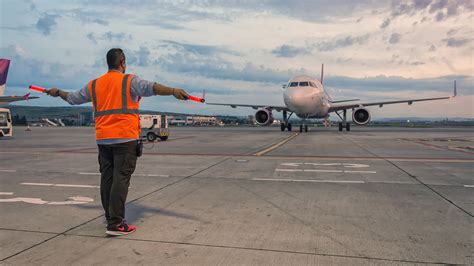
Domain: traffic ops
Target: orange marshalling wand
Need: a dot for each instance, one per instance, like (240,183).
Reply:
(196,99)
(36,88)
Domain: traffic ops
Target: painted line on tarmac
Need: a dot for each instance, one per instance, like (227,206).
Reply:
(39,201)
(271,148)
(325,171)
(6,193)
(7,170)
(468,185)
(309,180)
(58,185)
(151,175)
(360,172)
(82,173)
(156,175)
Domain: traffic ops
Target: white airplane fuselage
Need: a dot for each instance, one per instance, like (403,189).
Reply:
(305,96)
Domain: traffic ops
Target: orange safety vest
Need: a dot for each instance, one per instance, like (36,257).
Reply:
(116,114)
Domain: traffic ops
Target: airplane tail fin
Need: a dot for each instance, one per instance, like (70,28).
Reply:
(204,94)
(26,96)
(455,92)
(4,64)
(322,74)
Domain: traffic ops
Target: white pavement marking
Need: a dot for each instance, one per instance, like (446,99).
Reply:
(89,173)
(69,185)
(310,180)
(37,184)
(7,170)
(27,200)
(348,165)
(6,193)
(289,170)
(82,173)
(322,171)
(468,185)
(150,175)
(38,201)
(361,172)
(58,185)
(325,171)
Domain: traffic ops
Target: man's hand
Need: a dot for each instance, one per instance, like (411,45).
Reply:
(180,94)
(53,92)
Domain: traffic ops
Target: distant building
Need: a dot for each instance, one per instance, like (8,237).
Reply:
(251,120)
(193,120)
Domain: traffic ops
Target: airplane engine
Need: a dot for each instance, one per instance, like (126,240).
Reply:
(264,117)
(361,116)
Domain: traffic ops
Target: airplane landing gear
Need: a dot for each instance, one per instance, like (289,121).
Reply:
(347,126)
(303,126)
(286,123)
(344,121)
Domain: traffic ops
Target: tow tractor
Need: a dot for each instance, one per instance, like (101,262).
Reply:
(153,127)
(5,123)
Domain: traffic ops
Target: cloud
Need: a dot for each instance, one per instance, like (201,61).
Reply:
(109,36)
(85,16)
(290,51)
(215,67)
(140,57)
(25,70)
(440,9)
(46,23)
(385,23)
(197,48)
(394,38)
(452,32)
(396,83)
(341,42)
(456,42)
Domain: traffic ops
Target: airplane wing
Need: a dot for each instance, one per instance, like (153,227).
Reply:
(9,99)
(340,107)
(254,106)
(343,101)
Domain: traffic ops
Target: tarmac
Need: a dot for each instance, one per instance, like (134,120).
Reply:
(245,196)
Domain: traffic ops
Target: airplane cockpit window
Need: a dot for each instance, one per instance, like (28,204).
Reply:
(304,84)
(312,84)
(294,84)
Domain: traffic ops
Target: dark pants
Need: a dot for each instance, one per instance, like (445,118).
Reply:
(117,163)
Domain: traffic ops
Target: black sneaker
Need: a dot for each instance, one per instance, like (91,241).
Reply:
(121,229)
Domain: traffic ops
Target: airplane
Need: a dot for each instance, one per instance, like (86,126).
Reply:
(4,65)
(305,96)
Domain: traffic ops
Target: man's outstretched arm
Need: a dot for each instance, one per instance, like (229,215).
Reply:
(159,89)
(74,98)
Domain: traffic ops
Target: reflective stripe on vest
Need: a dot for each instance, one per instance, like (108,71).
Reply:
(123,110)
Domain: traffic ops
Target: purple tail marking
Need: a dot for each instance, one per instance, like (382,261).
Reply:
(4,64)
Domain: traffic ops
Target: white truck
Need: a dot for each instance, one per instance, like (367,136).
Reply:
(154,126)
(6,129)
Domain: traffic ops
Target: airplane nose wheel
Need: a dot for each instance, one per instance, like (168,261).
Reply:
(283,126)
(303,128)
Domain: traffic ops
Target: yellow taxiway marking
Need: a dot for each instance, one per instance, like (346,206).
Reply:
(271,148)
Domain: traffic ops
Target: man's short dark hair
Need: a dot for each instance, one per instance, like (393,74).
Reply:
(114,57)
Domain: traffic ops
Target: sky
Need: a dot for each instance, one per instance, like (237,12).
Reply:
(243,51)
